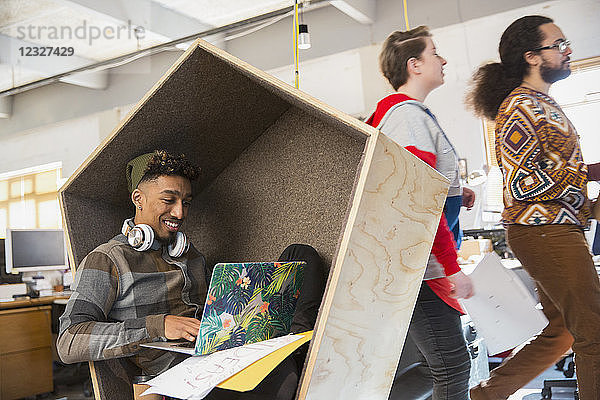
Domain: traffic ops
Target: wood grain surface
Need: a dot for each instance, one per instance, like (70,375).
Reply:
(373,288)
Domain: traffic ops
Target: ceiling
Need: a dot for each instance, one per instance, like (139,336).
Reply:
(85,32)
(219,12)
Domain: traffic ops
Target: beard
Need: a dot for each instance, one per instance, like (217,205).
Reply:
(552,74)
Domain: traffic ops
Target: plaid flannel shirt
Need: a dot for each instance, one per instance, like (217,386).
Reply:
(120,299)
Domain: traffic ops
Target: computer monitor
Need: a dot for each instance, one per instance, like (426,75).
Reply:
(4,276)
(35,250)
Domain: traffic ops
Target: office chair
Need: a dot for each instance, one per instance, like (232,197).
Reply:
(559,383)
(568,372)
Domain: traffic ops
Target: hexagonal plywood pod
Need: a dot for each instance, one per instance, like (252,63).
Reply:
(279,167)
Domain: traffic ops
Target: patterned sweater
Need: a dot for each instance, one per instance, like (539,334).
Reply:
(538,150)
(120,298)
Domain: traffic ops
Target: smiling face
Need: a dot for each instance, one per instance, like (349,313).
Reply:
(163,204)
(554,64)
(430,66)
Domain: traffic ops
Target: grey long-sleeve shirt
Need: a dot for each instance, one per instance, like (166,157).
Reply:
(120,298)
(410,123)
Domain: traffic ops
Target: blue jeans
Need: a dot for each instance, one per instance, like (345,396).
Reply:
(437,332)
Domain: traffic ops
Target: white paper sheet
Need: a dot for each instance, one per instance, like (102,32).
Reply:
(195,377)
(502,309)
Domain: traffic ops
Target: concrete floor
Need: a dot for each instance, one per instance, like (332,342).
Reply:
(69,392)
(531,391)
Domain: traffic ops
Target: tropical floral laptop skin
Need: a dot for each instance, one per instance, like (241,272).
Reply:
(248,303)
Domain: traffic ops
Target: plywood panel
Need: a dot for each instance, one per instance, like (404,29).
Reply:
(373,287)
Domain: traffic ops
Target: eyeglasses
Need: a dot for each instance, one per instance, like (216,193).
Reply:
(562,46)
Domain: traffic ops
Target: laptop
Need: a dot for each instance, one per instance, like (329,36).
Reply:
(245,303)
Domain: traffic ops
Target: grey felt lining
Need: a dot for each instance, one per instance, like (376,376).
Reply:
(275,169)
(292,185)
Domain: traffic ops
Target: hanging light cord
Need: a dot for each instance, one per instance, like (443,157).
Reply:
(296,55)
(406,15)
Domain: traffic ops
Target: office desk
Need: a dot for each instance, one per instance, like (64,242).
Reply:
(25,348)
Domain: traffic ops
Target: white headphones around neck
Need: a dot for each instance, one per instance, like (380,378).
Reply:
(141,238)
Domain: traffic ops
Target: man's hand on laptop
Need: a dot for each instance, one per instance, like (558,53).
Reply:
(177,327)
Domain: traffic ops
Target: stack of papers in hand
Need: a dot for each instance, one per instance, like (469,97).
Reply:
(240,368)
(502,309)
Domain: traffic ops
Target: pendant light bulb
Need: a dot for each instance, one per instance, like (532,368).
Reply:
(303,37)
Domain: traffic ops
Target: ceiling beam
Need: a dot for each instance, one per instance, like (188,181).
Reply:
(10,53)
(211,33)
(151,16)
(363,11)
(6,106)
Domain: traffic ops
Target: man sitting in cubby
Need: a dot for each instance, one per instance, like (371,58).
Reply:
(149,283)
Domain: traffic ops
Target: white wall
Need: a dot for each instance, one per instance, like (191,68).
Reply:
(351,79)
(69,142)
(468,45)
(62,101)
(335,79)
(62,122)
(334,32)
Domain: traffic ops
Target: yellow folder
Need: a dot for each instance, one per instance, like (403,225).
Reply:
(248,378)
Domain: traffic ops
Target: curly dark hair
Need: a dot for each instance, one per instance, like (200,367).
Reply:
(164,163)
(492,82)
(397,49)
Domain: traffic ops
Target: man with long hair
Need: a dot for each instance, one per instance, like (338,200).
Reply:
(546,204)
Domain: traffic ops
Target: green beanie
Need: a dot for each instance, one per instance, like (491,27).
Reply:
(136,169)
